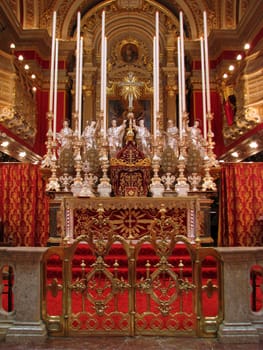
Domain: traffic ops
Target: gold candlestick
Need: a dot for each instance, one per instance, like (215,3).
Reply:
(47,160)
(182,187)
(53,184)
(156,187)
(210,142)
(77,182)
(208,182)
(104,187)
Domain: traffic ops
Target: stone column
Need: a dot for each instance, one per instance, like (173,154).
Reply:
(171,73)
(27,324)
(89,73)
(196,98)
(89,112)
(171,92)
(237,327)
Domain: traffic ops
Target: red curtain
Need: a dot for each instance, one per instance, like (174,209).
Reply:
(241,205)
(24,205)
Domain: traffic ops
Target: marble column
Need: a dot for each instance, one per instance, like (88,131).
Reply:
(89,112)
(171,73)
(171,92)
(27,325)
(237,326)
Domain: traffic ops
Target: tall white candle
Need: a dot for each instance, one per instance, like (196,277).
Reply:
(102,60)
(80,85)
(157,60)
(105,88)
(154,89)
(208,101)
(55,91)
(182,62)
(179,87)
(203,88)
(51,91)
(77,64)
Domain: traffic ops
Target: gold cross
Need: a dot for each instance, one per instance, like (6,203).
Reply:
(130,89)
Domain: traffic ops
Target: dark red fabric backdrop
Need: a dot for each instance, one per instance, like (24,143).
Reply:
(24,205)
(241,205)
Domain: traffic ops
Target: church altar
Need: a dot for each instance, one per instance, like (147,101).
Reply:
(128,217)
(121,173)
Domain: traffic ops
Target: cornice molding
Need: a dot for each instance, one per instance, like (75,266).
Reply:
(37,39)
(226,39)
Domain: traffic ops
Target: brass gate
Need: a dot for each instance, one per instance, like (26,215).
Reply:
(160,284)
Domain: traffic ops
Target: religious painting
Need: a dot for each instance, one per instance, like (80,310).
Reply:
(142,110)
(129,53)
(118,109)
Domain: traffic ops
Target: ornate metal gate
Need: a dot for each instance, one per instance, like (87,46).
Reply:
(160,284)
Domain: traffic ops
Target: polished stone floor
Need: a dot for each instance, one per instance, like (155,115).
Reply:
(127,343)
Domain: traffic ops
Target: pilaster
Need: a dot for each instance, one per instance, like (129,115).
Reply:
(237,326)
(27,324)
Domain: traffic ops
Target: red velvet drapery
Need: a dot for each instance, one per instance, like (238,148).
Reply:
(241,205)
(24,205)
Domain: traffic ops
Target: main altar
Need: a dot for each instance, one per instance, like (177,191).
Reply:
(128,217)
(120,173)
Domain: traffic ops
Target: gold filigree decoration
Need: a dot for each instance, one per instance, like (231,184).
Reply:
(100,307)
(164,286)
(99,286)
(121,162)
(119,285)
(79,286)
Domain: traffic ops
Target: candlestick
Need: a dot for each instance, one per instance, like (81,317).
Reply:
(180,114)
(52,62)
(55,91)
(208,102)
(203,87)
(77,64)
(182,62)
(80,85)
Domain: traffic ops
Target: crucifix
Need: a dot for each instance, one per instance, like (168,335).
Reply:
(130,89)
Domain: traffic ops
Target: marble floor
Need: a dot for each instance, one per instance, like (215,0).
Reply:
(128,343)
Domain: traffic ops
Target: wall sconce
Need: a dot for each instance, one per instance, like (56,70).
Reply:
(12,48)
(253,144)
(235,154)
(22,154)
(5,144)
(246,46)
